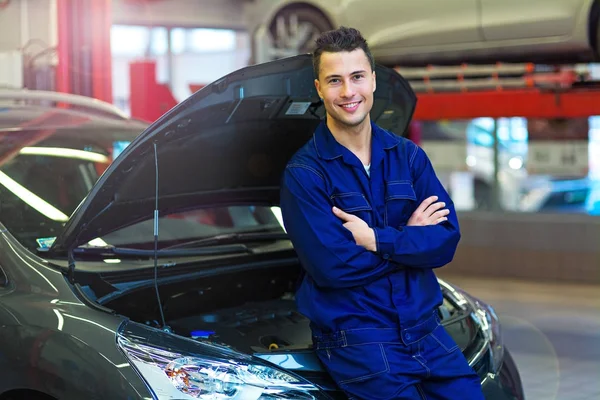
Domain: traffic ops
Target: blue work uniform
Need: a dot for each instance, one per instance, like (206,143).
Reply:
(374,314)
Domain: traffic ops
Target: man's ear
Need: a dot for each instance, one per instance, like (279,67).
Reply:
(374,81)
(318,87)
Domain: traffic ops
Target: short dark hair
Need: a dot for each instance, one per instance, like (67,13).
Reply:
(341,39)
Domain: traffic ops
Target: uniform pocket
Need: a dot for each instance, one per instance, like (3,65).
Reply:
(400,202)
(443,338)
(354,203)
(355,363)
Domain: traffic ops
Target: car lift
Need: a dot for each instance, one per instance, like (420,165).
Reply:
(503,90)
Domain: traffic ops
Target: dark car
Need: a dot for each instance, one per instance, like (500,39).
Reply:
(155,265)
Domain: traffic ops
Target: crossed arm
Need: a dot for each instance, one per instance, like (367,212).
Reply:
(429,212)
(340,250)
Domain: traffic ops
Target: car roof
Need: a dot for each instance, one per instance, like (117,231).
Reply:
(22,109)
(16,118)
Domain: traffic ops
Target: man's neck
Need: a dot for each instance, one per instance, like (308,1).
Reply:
(357,139)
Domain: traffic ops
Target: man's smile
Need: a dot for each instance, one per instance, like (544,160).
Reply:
(350,106)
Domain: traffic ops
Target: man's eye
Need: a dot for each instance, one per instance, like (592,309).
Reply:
(357,77)
(334,80)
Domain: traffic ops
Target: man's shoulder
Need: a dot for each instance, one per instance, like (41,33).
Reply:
(305,161)
(306,155)
(400,144)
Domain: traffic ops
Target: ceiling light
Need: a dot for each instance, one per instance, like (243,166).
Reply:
(66,153)
(34,201)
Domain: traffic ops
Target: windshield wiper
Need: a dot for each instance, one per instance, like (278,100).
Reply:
(124,251)
(234,238)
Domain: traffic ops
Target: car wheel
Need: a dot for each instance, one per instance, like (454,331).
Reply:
(294,30)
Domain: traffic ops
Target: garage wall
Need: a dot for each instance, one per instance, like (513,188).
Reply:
(193,13)
(24,20)
(27,27)
(541,247)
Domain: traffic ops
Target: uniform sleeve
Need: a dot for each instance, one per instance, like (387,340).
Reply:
(326,249)
(422,246)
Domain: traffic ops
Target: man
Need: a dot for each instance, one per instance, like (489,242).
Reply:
(370,221)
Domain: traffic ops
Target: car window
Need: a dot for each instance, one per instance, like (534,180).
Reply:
(45,174)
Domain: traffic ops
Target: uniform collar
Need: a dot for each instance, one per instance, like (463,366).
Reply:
(328,148)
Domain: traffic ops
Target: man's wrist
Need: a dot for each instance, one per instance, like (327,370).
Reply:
(373,243)
(384,242)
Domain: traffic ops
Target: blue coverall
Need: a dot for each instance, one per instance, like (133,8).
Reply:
(373,314)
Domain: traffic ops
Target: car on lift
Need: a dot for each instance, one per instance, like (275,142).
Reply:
(146,262)
(435,32)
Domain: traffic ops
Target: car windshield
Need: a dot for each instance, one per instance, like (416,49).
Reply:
(46,174)
(180,228)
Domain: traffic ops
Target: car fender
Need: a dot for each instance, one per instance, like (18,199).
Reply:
(57,364)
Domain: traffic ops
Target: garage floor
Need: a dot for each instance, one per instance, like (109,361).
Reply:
(553,332)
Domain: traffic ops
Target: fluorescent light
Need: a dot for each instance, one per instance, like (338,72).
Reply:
(277,212)
(112,261)
(66,153)
(34,201)
(98,243)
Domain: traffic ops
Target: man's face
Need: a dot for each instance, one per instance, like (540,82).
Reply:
(346,84)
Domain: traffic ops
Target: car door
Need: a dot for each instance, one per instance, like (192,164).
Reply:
(523,19)
(398,24)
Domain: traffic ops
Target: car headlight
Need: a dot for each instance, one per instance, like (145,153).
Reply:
(490,325)
(178,368)
(486,318)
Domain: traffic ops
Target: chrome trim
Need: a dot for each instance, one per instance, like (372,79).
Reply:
(485,345)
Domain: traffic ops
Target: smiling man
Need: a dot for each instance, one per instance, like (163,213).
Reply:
(370,221)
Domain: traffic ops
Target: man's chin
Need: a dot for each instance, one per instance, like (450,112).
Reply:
(352,122)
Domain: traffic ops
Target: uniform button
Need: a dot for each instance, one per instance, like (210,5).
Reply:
(408,336)
(386,256)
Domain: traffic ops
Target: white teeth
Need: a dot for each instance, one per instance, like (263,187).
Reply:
(349,105)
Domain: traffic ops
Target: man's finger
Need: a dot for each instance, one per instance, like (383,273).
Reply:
(439,213)
(435,207)
(344,215)
(426,203)
(440,220)
(443,213)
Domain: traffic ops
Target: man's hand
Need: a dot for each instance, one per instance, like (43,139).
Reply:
(429,213)
(363,235)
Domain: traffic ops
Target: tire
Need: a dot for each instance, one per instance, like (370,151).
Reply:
(293,37)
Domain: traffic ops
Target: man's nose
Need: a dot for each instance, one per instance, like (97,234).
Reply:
(347,90)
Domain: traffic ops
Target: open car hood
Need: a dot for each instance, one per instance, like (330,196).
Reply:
(226,144)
